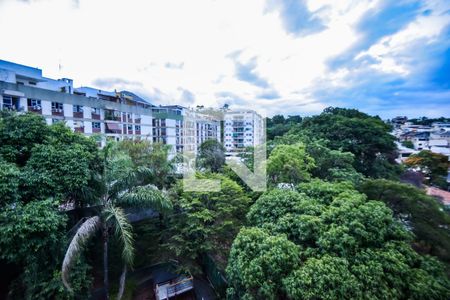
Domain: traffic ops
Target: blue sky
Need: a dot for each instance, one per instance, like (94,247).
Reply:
(276,56)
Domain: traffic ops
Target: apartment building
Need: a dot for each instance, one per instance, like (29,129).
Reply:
(242,129)
(110,114)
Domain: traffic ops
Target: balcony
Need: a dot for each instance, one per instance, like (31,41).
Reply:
(95,116)
(112,116)
(57,112)
(79,129)
(96,130)
(36,109)
(113,128)
(78,114)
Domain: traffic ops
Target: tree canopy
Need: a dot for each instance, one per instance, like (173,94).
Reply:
(347,247)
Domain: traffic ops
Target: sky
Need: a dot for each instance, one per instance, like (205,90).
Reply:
(288,57)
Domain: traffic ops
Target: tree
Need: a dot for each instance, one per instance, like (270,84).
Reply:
(349,130)
(9,182)
(327,277)
(332,165)
(59,171)
(153,156)
(258,263)
(32,237)
(211,156)
(122,187)
(278,125)
(432,165)
(289,164)
(349,247)
(408,144)
(18,135)
(418,211)
(206,221)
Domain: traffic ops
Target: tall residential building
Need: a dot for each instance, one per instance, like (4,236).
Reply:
(113,115)
(242,129)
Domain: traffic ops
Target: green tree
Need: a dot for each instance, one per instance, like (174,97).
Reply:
(154,157)
(9,182)
(60,171)
(418,211)
(289,164)
(408,144)
(326,277)
(206,221)
(32,237)
(349,130)
(211,156)
(258,263)
(349,248)
(122,187)
(18,135)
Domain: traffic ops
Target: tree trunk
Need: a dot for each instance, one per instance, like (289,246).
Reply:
(122,282)
(105,261)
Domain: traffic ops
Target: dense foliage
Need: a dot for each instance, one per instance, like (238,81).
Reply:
(417,211)
(328,242)
(326,228)
(41,166)
(206,221)
(211,156)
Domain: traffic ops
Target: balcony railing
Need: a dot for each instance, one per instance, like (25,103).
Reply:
(57,112)
(35,108)
(78,114)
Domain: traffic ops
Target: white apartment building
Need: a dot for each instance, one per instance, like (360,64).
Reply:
(242,129)
(112,115)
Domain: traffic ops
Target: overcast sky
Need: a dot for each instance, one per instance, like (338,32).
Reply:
(384,57)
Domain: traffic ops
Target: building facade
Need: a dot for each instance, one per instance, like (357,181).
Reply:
(242,129)
(111,115)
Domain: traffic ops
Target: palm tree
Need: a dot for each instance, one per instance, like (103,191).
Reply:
(123,185)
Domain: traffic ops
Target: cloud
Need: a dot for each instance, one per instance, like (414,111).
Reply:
(186,97)
(115,83)
(269,94)
(270,55)
(296,17)
(171,65)
(247,72)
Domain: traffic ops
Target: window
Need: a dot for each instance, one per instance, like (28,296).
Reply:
(54,121)
(95,110)
(32,83)
(7,102)
(130,127)
(57,107)
(34,103)
(137,128)
(78,108)
(96,125)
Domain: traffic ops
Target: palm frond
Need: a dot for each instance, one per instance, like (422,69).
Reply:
(123,231)
(80,238)
(147,196)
